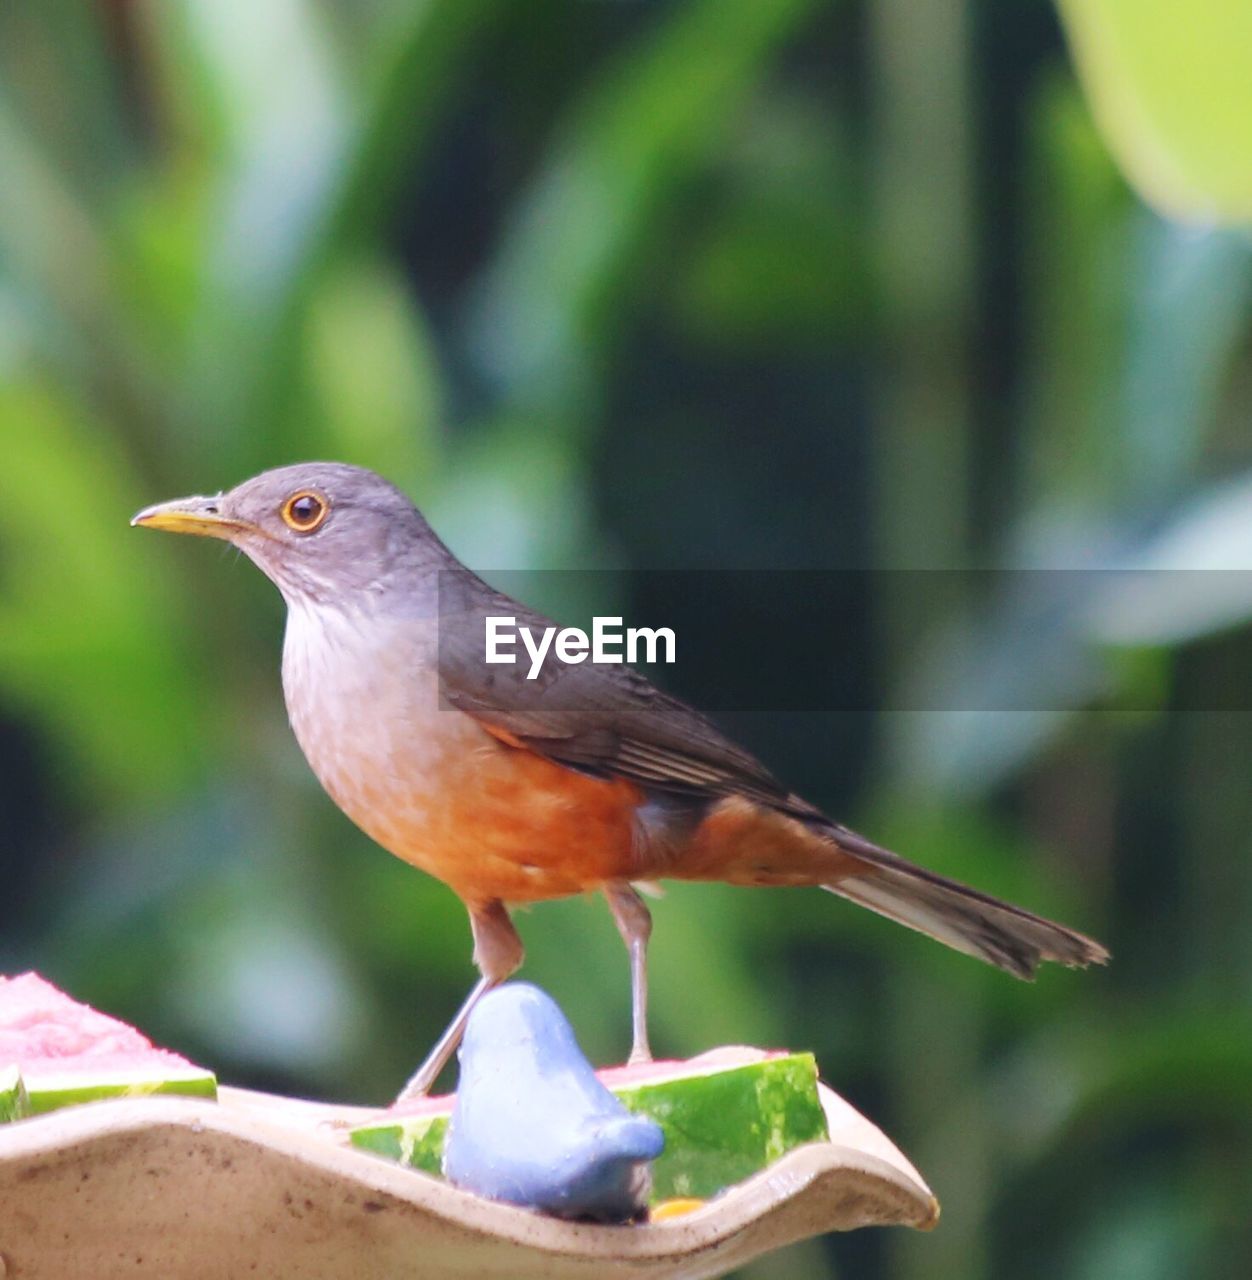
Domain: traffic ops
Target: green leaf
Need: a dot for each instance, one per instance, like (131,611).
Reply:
(1171,89)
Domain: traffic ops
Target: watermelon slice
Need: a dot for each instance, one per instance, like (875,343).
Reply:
(67,1052)
(726,1115)
(14,1104)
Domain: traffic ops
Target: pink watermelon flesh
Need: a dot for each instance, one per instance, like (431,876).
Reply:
(69,1052)
(37,1020)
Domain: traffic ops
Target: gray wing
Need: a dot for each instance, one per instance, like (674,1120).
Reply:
(605,720)
(610,721)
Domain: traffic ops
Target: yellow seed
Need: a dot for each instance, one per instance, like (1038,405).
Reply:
(663,1210)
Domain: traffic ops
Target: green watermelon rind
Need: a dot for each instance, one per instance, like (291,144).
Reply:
(416,1141)
(14,1101)
(51,1090)
(722,1124)
(725,1126)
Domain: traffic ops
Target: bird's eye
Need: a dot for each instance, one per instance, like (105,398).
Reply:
(305,511)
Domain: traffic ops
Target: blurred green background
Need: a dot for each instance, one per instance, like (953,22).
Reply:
(760,284)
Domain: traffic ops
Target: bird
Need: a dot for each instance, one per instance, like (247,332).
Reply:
(531,1123)
(514,790)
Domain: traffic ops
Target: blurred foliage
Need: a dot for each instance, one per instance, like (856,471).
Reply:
(692,284)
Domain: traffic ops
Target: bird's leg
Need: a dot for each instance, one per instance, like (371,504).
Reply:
(497,953)
(634,923)
(421,1081)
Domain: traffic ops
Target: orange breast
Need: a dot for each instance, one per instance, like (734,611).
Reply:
(430,784)
(493,821)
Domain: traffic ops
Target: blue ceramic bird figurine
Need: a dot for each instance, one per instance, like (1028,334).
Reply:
(532,1125)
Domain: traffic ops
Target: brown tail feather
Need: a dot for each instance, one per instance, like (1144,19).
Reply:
(953,913)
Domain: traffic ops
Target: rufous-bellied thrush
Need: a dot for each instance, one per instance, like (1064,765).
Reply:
(514,790)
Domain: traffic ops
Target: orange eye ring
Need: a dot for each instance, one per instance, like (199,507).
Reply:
(306,511)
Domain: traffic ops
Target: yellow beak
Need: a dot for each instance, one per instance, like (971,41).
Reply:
(201,516)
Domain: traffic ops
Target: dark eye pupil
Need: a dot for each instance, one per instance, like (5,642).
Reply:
(306,509)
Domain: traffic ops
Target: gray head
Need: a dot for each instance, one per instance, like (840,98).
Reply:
(322,531)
